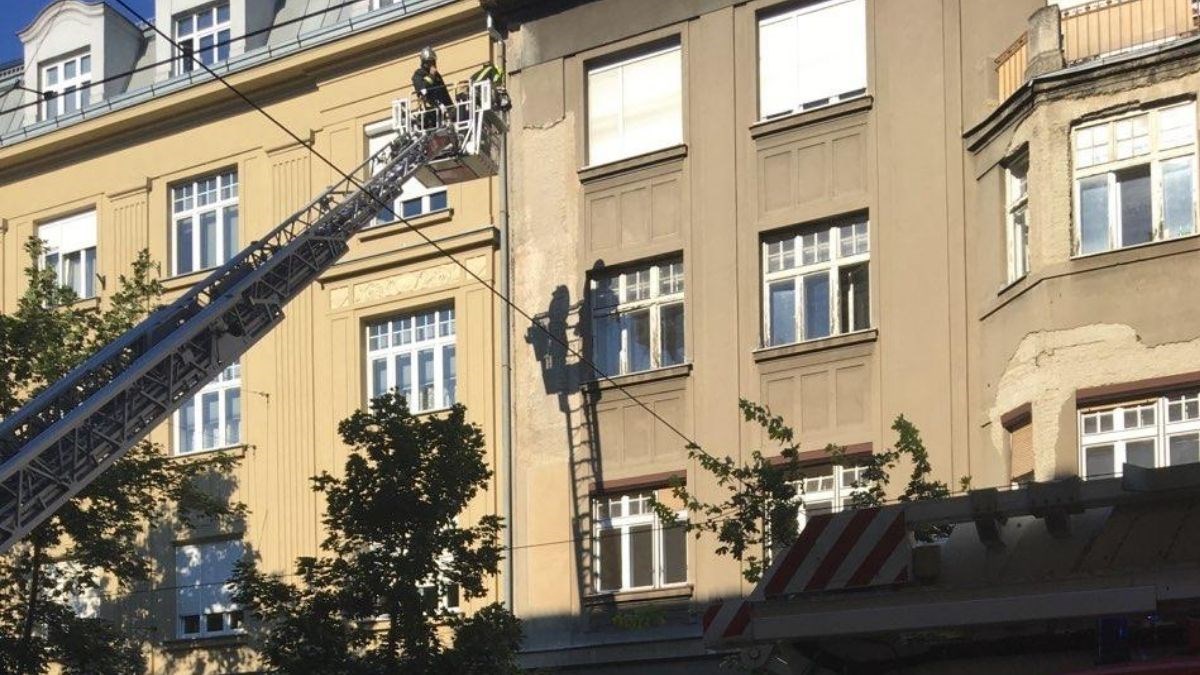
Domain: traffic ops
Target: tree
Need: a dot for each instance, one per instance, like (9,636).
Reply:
(394,547)
(94,536)
(758,512)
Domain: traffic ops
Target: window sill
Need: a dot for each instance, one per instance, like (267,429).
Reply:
(1130,251)
(803,118)
(237,451)
(647,595)
(222,641)
(593,173)
(812,346)
(640,377)
(91,304)
(398,226)
(185,281)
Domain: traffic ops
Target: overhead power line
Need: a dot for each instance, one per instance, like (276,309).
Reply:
(441,251)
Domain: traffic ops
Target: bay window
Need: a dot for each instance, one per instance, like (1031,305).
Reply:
(1152,432)
(69,250)
(637,318)
(635,105)
(204,222)
(212,418)
(633,548)
(816,282)
(810,56)
(414,354)
(1017,197)
(1135,179)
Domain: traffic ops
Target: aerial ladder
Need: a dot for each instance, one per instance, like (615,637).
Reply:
(59,442)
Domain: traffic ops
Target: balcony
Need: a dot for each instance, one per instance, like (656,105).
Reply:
(1095,30)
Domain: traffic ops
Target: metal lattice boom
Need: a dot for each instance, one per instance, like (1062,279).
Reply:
(58,443)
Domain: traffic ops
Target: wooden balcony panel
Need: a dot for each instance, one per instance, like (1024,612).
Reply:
(1118,25)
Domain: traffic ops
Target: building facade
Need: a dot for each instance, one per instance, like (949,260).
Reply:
(847,210)
(134,147)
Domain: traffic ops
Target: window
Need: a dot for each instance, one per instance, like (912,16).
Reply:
(69,250)
(816,282)
(1160,431)
(632,548)
(812,56)
(1017,197)
(380,4)
(78,586)
(204,597)
(415,355)
(203,33)
(212,418)
(635,105)
(1135,179)
(66,85)
(828,490)
(204,222)
(415,199)
(637,318)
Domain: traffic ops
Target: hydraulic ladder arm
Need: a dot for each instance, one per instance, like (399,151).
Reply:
(72,431)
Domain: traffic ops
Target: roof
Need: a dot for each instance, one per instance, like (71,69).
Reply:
(298,25)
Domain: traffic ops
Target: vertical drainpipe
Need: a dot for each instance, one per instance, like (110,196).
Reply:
(506,415)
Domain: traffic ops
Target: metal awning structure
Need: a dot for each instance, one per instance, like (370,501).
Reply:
(1065,550)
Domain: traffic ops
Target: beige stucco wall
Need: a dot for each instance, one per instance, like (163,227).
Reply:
(308,373)
(897,156)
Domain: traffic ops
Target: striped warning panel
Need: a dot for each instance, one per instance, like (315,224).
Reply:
(726,620)
(851,549)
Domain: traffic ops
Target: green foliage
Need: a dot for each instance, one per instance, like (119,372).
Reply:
(639,618)
(98,531)
(758,509)
(392,522)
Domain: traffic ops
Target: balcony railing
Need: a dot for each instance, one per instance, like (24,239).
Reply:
(1104,28)
(1010,66)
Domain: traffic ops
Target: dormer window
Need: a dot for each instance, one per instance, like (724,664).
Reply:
(65,85)
(204,33)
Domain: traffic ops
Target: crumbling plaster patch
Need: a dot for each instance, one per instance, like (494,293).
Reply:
(1049,366)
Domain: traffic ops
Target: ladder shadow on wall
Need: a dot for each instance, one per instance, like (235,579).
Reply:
(572,383)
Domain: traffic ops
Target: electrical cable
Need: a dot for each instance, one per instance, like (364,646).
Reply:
(172,59)
(432,243)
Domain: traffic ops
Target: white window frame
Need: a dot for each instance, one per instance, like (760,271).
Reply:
(775,254)
(67,94)
(855,67)
(202,592)
(1105,159)
(663,275)
(623,523)
(1017,216)
(74,238)
(433,200)
(623,142)
(837,487)
(228,380)
(1175,415)
(219,31)
(219,193)
(380,4)
(390,338)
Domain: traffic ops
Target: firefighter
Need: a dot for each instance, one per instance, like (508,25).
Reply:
(428,84)
(493,74)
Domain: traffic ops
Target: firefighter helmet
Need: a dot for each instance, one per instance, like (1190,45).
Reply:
(428,56)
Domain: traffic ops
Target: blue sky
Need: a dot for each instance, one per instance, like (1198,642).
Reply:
(16,14)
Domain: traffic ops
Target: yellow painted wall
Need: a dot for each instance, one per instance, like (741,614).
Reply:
(308,374)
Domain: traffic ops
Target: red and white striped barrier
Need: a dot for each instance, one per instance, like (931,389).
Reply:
(850,549)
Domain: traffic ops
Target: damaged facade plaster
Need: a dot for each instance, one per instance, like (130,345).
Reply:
(1074,321)
(1049,367)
